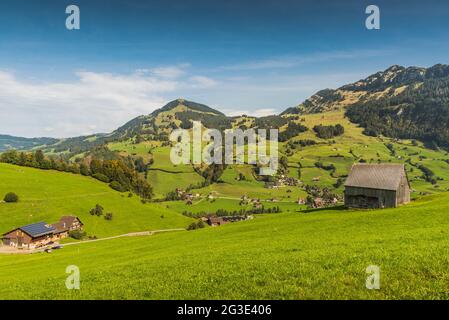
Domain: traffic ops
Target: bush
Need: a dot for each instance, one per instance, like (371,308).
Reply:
(11,197)
(101,177)
(98,210)
(108,216)
(192,226)
(77,234)
(201,224)
(117,186)
(196,225)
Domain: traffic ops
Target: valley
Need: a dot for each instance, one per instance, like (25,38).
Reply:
(289,249)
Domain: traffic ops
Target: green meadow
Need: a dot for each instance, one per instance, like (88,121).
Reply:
(48,195)
(320,254)
(296,254)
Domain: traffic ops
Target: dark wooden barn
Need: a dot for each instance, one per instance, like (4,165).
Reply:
(376,186)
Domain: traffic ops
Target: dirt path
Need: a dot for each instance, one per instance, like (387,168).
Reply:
(132,234)
(11,250)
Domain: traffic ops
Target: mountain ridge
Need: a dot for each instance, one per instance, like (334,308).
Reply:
(397,87)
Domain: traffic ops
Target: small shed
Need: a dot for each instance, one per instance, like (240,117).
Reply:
(377,186)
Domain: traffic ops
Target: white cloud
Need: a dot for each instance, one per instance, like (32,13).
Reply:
(170,72)
(264,112)
(95,102)
(290,61)
(202,82)
(255,113)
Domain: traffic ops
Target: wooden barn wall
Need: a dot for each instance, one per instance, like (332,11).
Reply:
(389,196)
(403,195)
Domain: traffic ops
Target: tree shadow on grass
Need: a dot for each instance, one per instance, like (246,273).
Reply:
(336,208)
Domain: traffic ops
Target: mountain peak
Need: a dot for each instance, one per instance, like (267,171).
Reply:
(394,68)
(188,104)
(389,82)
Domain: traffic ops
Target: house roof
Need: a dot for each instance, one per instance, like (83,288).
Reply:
(216,219)
(64,223)
(37,229)
(376,176)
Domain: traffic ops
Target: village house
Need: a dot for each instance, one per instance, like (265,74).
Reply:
(65,225)
(215,221)
(377,186)
(40,234)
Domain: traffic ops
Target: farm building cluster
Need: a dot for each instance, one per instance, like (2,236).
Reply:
(40,234)
(215,221)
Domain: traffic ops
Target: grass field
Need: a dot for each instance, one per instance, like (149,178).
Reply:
(48,195)
(296,254)
(319,254)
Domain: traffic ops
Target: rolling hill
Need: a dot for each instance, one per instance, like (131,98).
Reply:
(48,195)
(10,142)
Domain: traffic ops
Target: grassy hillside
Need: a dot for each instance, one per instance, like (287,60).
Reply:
(48,195)
(320,254)
(19,143)
(353,146)
(341,152)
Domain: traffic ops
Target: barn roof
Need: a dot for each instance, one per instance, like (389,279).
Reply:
(37,229)
(375,176)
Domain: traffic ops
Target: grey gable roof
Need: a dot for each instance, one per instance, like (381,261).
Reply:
(37,229)
(375,176)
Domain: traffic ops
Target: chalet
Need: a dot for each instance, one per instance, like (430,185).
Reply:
(65,225)
(40,234)
(216,221)
(30,236)
(377,186)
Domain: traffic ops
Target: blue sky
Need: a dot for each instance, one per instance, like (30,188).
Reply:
(246,56)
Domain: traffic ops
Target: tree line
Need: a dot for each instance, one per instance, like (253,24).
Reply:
(121,176)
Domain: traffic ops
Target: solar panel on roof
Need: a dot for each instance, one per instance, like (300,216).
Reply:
(38,229)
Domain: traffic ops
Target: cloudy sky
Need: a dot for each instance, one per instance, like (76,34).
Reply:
(255,57)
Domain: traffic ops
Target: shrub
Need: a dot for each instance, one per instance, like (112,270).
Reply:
(201,224)
(77,234)
(101,177)
(11,197)
(108,216)
(192,226)
(98,210)
(196,225)
(117,186)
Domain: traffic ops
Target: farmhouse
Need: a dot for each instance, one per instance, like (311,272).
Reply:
(216,221)
(40,234)
(30,236)
(377,186)
(65,225)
